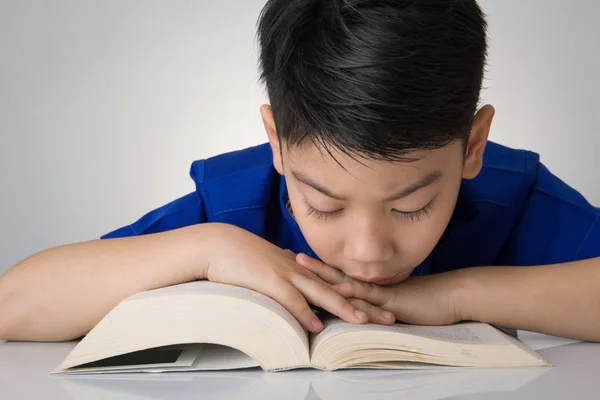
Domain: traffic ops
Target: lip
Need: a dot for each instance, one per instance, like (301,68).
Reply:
(383,281)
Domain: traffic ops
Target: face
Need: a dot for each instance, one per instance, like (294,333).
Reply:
(374,220)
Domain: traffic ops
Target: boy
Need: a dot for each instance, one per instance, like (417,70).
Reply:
(377,198)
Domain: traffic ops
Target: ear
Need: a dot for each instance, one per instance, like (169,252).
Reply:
(480,131)
(269,122)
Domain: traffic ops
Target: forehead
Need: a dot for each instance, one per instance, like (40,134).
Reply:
(335,168)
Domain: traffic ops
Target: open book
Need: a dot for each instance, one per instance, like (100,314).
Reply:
(209,326)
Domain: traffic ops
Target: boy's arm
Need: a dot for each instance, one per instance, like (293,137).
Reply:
(555,287)
(559,299)
(61,293)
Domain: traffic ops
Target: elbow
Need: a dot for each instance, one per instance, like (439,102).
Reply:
(21,323)
(6,316)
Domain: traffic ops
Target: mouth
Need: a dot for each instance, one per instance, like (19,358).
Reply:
(376,281)
(382,282)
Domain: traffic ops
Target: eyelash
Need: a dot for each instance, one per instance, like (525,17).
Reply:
(413,216)
(320,215)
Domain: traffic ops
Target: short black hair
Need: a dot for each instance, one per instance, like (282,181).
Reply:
(374,78)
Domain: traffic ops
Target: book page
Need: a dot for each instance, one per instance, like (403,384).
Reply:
(471,333)
(207,287)
(190,357)
(167,356)
(466,332)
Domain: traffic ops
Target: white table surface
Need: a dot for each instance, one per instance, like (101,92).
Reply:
(25,367)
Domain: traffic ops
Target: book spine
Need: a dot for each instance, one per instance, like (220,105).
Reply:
(311,366)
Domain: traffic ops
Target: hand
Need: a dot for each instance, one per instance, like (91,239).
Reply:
(246,260)
(377,313)
(419,300)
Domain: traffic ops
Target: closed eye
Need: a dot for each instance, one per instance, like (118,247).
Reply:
(413,216)
(417,215)
(320,215)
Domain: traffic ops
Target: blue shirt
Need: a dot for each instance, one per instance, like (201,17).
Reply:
(514,213)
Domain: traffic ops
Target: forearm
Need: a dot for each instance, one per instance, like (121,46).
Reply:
(561,299)
(61,293)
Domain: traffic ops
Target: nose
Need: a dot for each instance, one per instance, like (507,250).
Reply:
(369,245)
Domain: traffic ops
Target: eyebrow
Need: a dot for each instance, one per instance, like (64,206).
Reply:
(427,180)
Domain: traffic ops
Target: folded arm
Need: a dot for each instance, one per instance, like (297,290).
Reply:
(559,299)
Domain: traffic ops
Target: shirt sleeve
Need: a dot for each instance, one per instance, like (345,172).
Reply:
(185,211)
(556,225)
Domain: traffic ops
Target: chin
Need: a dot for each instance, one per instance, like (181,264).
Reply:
(389,281)
(399,278)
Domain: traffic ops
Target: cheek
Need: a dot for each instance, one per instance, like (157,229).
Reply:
(417,240)
(322,237)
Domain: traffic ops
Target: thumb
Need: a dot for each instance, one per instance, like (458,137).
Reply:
(324,271)
(368,292)
(290,254)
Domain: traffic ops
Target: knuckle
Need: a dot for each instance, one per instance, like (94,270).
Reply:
(311,275)
(349,306)
(374,310)
(305,313)
(367,307)
(321,286)
(293,299)
(363,290)
(271,277)
(355,302)
(347,287)
(319,294)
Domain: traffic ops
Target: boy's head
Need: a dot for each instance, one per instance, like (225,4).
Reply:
(373,121)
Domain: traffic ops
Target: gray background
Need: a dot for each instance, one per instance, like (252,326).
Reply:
(105,104)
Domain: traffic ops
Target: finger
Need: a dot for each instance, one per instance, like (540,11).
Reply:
(321,295)
(280,290)
(361,290)
(291,299)
(290,254)
(327,273)
(375,314)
